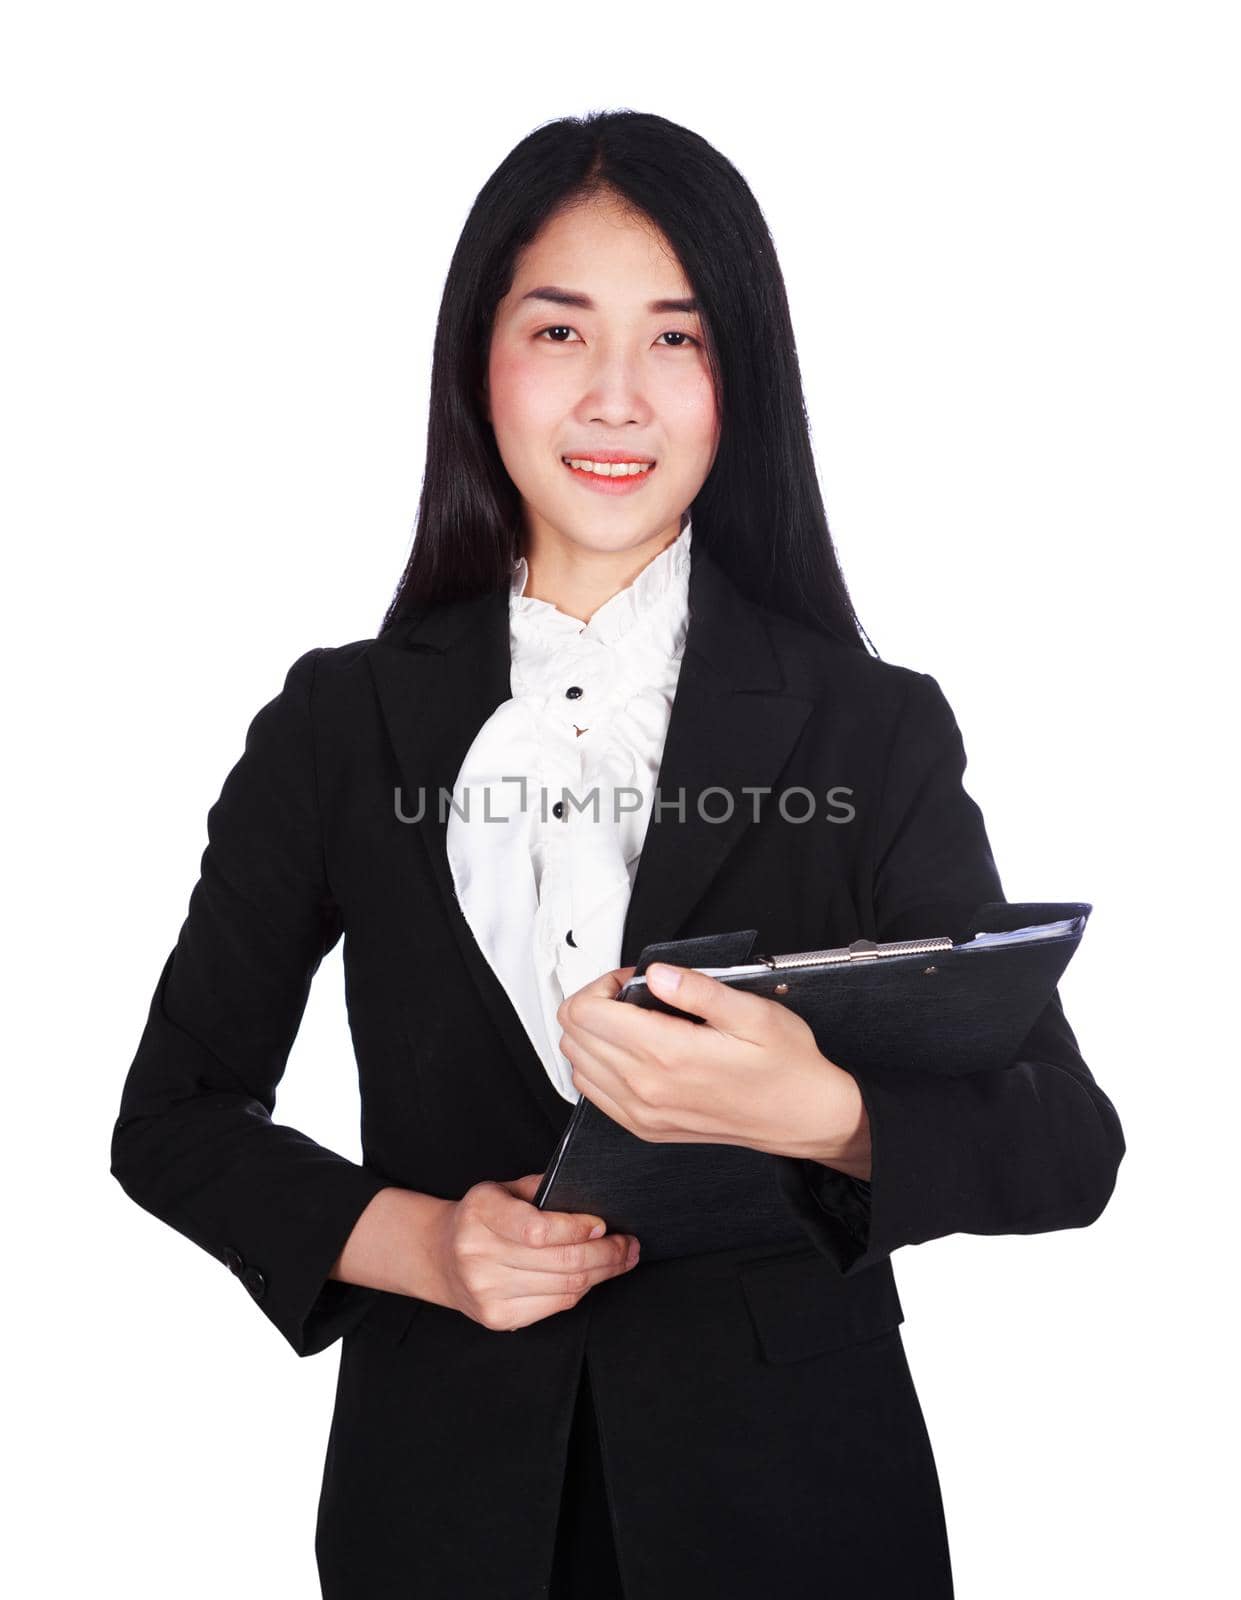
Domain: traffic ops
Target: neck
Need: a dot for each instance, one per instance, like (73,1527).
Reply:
(578,580)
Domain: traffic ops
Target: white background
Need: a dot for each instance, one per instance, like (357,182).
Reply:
(1009,237)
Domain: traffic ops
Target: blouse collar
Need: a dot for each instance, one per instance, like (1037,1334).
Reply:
(661,587)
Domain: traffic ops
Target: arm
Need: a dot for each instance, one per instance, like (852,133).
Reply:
(194,1143)
(393,1246)
(1027,1147)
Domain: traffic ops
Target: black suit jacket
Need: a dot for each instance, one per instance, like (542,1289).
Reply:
(760,1429)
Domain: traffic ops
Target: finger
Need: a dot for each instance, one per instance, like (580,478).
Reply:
(533,1301)
(601,1257)
(644,1032)
(728,1010)
(525,1188)
(609,1073)
(565,1226)
(597,1074)
(602,1074)
(591,1016)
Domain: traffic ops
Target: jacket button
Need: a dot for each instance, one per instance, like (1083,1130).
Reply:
(254,1281)
(558,809)
(569,939)
(232,1260)
(574,693)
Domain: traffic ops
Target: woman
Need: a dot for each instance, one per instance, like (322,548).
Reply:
(523,1407)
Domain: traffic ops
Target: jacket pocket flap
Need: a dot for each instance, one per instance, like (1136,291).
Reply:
(801,1305)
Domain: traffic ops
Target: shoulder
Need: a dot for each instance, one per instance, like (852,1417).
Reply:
(333,680)
(331,661)
(324,665)
(892,719)
(820,667)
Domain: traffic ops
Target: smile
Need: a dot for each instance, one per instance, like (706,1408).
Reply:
(607,469)
(608,477)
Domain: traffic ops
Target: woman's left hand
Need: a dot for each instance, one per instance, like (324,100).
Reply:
(749,1074)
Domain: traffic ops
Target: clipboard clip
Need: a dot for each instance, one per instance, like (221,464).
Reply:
(859,950)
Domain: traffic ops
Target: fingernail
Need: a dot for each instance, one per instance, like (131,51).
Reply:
(665,977)
(635,1249)
(600,1227)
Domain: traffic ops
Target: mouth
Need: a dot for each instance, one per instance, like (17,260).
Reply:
(611,464)
(610,472)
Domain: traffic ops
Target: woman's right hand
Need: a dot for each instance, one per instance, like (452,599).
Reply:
(505,1263)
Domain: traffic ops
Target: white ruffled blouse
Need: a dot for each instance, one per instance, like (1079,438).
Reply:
(551,805)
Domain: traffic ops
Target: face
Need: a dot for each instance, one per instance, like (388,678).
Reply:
(586,364)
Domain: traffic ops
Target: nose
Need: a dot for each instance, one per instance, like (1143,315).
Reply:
(615,393)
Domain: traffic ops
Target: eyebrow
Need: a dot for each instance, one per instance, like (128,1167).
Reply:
(583,302)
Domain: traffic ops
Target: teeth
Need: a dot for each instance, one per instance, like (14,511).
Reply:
(608,469)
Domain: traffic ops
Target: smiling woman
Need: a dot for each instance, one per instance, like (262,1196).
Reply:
(622,600)
(617,403)
(615,295)
(622,396)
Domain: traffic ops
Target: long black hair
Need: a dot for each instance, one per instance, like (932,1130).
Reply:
(760,512)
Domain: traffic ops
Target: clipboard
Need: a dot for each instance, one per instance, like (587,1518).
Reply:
(955,1002)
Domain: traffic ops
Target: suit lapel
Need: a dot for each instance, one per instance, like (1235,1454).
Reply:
(731,729)
(438,680)
(440,677)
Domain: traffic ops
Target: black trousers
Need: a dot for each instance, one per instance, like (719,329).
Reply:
(585,1566)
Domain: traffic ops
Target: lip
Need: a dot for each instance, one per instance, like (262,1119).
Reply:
(629,484)
(611,457)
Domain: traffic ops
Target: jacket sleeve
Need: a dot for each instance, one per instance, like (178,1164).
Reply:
(194,1142)
(1029,1146)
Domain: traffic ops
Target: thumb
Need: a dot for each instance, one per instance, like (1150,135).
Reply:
(729,1010)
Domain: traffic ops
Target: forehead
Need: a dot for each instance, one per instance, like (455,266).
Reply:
(599,256)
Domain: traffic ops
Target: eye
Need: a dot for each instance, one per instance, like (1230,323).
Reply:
(672,333)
